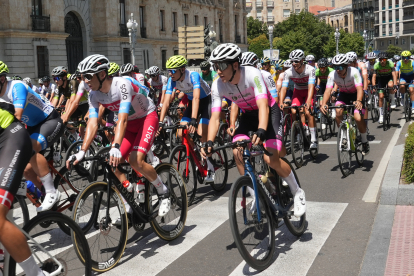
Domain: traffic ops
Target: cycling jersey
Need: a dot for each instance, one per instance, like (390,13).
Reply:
(323,76)
(370,68)
(160,84)
(83,90)
(271,85)
(70,89)
(349,84)
(49,90)
(140,78)
(123,97)
(251,87)
(191,81)
(384,70)
(301,80)
(406,68)
(363,68)
(209,77)
(22,96)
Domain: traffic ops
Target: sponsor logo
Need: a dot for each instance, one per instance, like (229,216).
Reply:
(140,148)
(124,92)
(55,132)
(25,119)
(14,130)
(258,84)
(148,135)
(10,172)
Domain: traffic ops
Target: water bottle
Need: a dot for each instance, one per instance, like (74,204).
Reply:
(33,189)
(71,138)
(140,191)
(127,185)
(268,183)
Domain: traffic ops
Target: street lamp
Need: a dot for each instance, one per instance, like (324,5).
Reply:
(271,36)
(397,36)
(132,26)
(365,37)
(337,35)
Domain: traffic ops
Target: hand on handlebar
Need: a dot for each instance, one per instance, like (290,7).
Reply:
(358,105)
(75,159)
(324,109)
(206,151)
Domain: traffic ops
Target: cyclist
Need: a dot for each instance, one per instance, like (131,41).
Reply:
(405,69)
(48,89)
(310,59)
(288,97)
(15,153)
(136,126)
(158,82)
(206,74)
(321,75)
(139,77)
(385,76)
(44,126)
(349,82)
(28,82)
(246,88)
(304,78)
(65,87)
(265,61)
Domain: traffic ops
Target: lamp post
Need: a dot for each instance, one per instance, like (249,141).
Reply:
(132,26)
(397,36)
(365,37)
(271,36)
(337,35)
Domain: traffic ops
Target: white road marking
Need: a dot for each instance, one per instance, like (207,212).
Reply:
(335,142)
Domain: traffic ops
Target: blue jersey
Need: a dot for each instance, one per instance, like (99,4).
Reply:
(192,80)
(35,109)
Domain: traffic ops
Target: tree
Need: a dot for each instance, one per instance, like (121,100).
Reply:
(347,43)
(258,44)
(255,28)
(393,50)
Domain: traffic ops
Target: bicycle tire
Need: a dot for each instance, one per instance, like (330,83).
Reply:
(332,124)
(220,162)
(229,151)
(385,114)
(262,232)
(374,109)
(296,226)
(344,156)
(84,168)
(87,213)
(323,131)
(297,144)
(170,226)
(287,127)
(407,106)
(77,239)
(179,153)
(23,206)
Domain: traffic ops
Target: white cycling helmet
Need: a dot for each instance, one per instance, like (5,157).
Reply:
(310,58)
(297,55)
(249,58)
(153,70)
(93,64)
(126,68)
(27,81)
(340,59)
(352,56)
(40,81)
(226,52)
(287,63)
(412,57)
(371,55)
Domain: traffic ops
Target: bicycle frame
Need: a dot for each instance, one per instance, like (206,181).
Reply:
(190,151)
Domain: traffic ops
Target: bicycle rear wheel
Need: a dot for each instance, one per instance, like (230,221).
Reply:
(323,127)
(220,162)
(385,111)
(344,155)
(374,108)
(287,129)
(407,106)
(297,144)
(254,239)
(71,251)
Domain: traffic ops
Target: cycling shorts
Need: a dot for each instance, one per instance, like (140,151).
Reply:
(140,134)
(300,97)
(407,79)
(289,94)
(250,122)
(80,112)
(48,131)
(204,109)
(347,99)
(321,90)
(15,153)
(383,81)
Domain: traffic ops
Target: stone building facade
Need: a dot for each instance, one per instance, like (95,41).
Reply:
(341,18)
(38,35)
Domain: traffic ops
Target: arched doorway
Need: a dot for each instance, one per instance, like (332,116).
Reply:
(74,46)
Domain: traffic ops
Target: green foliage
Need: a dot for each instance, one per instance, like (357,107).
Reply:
(255,28)
(408,165)
(258,44)
(347,43)
(393,50)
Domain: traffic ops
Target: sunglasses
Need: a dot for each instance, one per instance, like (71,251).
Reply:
(220,66)
(339,67)
(311,61)
(153,76)
(88,76)
(295,61)
(172,72)
(406,58)
(322,67)
(383,59)
(57,78)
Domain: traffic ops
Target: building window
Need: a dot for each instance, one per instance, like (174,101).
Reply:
(397,4)
(185,19)
(162,27)
(285,0)
(389,42)
(141,17)
(397,27)
(297,1)
(333,3)
(37,7)
(236,24)
(175,52)
(383,29)
(383,4)
(390,16)
(390,29)
(122,10)
(403,41)
(383,17)
(196,20)
(366,25)
(205,22)
(397,15)
(126,52)
(356,26)
(163,58)
(174,22)
(220,31)
(297,11)
(286,13)
(42,61)
(382,43)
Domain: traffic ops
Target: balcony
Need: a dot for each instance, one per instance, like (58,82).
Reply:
(123,30)
(408,31)
(40,23)
(270,19)
(238,39)
(248,5)
(259,5)
(143,32)
(408,3)
(270,4)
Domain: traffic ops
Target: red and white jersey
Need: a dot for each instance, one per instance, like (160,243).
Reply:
(140,78)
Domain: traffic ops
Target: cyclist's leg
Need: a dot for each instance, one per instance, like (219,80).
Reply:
(391,91)
(185,120)
(30,174)
(341,100)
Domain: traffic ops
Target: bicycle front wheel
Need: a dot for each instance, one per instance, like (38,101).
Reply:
(254,239)
(297,144)
(344,152)
(374,108)
(385,120)
(72,252)
(287,127)
(220,163)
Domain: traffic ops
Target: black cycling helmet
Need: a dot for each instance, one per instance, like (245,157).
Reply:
(323,62)
(46,79)
(382,55)
(17,77)
(205,65)
(136,69)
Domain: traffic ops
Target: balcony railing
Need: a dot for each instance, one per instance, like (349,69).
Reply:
(143,32)
(270,4)
(259,4)
(270,19)
(407,3)
(408,31)
(238,39)
(40,23)
(123,30)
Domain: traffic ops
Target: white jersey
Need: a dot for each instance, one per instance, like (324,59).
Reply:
(48,90)
(83,90)
(270,83)
(301,80)
(370,68)
(349,84)
(140,78)
(160,84)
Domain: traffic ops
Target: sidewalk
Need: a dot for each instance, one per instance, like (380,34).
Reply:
(390,249)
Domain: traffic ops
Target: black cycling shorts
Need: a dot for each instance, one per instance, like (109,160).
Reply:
(15,153)
(348,99)
(80,112)
(383,81)
(321,90)
(249,121)
(48,131)
(204,111)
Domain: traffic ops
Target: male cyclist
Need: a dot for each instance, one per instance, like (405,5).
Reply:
(48,89)
(288,97)
(136,126)
(310,59)
(246,88)
(206,74)
(265,61)
(349,82)
(158,82)
(199,104)
(385,76)
(405,69)
(321,75)
(65,88)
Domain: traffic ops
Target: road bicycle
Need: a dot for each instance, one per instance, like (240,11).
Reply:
(386,107)
(187,160)
(407,102)
(100,204)
(348,140)
(373,103)
(257,204)
(225,137)
(54,251)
